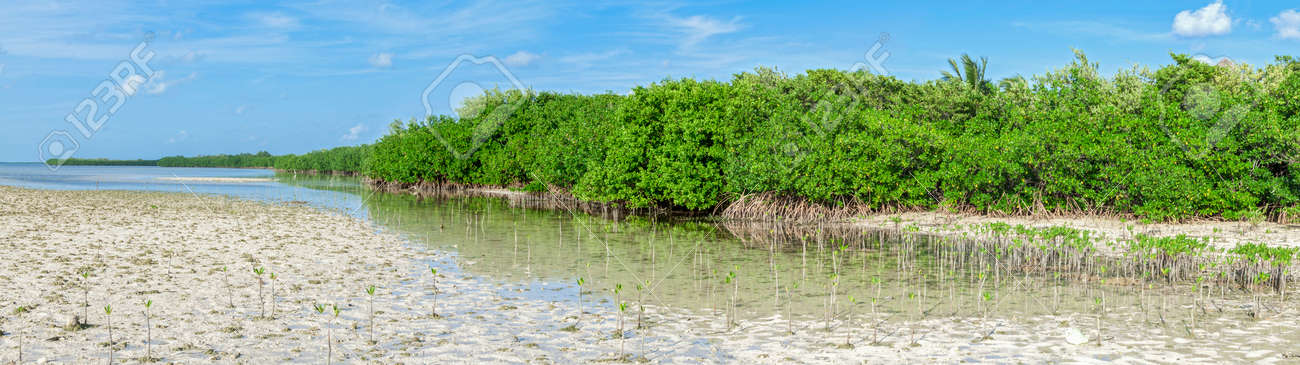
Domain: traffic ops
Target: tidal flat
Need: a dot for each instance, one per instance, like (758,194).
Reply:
(506,291)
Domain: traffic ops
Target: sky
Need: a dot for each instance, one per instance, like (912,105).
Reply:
(165,78)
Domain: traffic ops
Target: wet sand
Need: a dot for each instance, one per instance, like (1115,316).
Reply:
(219,179)
(1222,234)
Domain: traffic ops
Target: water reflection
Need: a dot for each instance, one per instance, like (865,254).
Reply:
(811,272)
(873,286)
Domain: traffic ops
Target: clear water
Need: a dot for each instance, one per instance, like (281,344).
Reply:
(340,194)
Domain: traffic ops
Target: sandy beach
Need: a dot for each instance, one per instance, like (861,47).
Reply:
(171,248)
(1221,234)
(219,179)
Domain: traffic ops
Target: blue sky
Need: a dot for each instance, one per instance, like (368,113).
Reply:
(291,77)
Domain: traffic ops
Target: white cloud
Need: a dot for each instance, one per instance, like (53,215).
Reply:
(1287,24)
(159,83)
(698,28)
(521,58)
(1213,19)
(382,60)
(180,136)
(239,110)
(354,132)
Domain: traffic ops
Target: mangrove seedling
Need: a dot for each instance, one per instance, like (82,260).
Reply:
(640,304)
(579,321)
(261,304)
(108,312)
(148,332)
(329,330)
(618,288)
(371,292)
(331,333)
(85,286)
(20,310)
(622,308)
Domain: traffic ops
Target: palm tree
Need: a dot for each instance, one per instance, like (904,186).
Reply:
(1014,82)
(969,72)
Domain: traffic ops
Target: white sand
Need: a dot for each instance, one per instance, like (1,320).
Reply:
(219,179)
(1222,234)
(168,247)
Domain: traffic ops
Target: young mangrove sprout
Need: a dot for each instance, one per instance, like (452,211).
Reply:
(579,321)
(622,308)
(148,332)
(261,304)
(640,303)
(618,288)
(85,286)
(230,292)
(370,290)
(329,330)
(108,312)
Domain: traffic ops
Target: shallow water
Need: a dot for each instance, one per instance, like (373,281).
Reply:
(847,286)
(344,194)
(881,287)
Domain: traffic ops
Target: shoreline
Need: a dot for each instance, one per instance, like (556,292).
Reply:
(762,207)
(1224,234)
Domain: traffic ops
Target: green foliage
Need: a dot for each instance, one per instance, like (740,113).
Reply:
(103,162)
(1256,252)
(1171,247)
(350,159)
(1149,143)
